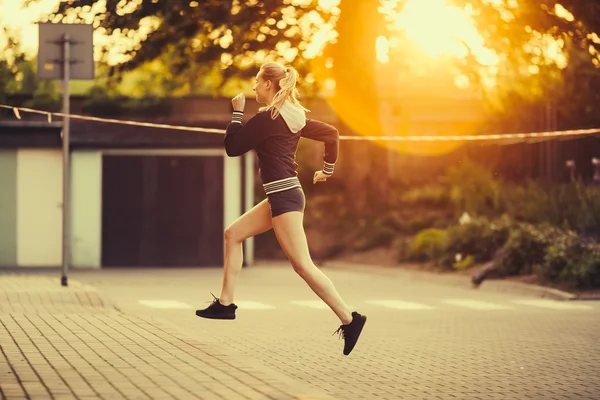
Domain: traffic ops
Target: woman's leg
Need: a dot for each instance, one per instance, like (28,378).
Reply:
(252,223)
(292,238)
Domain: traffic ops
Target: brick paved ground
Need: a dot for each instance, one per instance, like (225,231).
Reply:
(68,343)
(434,343)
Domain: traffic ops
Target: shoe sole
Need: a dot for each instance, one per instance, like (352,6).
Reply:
(364,321)
(216,316)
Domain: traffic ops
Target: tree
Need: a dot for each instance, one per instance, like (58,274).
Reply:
(238,35)
(18,76)
(12,59)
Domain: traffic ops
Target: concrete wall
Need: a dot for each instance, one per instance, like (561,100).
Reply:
(8,208)
(86,209)
(31,208)
(39,207)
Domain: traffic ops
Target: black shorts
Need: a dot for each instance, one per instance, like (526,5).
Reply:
(286,201)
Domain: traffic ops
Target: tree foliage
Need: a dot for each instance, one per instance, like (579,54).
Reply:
(200,32)
(238,35)
(18,76)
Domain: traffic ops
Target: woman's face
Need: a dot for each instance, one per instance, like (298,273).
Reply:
(262,89)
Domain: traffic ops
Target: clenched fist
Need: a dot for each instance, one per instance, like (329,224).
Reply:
(239,102)
(320,176)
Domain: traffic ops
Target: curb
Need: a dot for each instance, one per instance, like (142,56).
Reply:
(494,285)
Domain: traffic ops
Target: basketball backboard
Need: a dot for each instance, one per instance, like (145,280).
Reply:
(50,53)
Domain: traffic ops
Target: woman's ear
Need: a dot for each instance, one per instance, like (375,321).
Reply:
(268,84)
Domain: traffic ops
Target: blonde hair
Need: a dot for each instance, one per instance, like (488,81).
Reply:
(284,79)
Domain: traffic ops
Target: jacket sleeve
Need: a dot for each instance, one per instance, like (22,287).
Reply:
(317,130)
(241,138)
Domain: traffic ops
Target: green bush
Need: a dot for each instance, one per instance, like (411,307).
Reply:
(525,249)
(373,237)
(558,256)
(427,245)
(570,206)
(479,238)
(46,97)
(432,196)
(474,189)
(424,220)
(572,262)
(464,263)
(583,272)
(588,214)
(101,102)
(412,221)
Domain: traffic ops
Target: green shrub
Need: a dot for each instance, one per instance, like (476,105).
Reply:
(427,245)
(46,97)
(588,212)
(464,263)
(434,196)
(525,249)
(392,219)
(102,102)
(373,237)
(558,255)
(583,272)
(479,238)
(412,221)
(570,206)
(424,220)
(474,189)
(572,262)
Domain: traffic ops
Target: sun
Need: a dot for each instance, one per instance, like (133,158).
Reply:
(436,28)
(408,102)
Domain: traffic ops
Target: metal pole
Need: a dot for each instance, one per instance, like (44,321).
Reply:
(66,210)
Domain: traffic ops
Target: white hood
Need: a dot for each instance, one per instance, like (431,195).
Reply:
(293,115)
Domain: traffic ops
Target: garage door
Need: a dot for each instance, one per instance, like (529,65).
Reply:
(162,211)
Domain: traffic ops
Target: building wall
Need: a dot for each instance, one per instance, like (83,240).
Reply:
(8,208)
(39,207)
(31,208)
(86,208)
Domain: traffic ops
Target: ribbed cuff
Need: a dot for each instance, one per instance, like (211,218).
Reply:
(328,168)
(237,116)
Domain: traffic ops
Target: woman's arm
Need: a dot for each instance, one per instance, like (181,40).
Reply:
(241,138)
(317,130)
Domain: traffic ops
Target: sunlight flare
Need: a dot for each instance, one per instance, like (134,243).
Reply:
(437,28)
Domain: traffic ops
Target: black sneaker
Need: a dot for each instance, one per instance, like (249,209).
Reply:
(217,310)
(352,331)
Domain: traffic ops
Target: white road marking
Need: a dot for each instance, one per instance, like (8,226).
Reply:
(311,303)
(168,304)
(554,304)
(400,305)
(253,305)
(318,304)
(395,304)
(475,304)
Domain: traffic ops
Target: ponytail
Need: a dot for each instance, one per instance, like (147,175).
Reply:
(288,78)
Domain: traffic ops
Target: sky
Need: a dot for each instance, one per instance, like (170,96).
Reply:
(13,15)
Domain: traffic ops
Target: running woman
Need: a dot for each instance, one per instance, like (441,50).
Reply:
(274,133)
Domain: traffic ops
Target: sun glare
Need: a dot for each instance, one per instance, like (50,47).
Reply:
(440,29)
(22,21)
